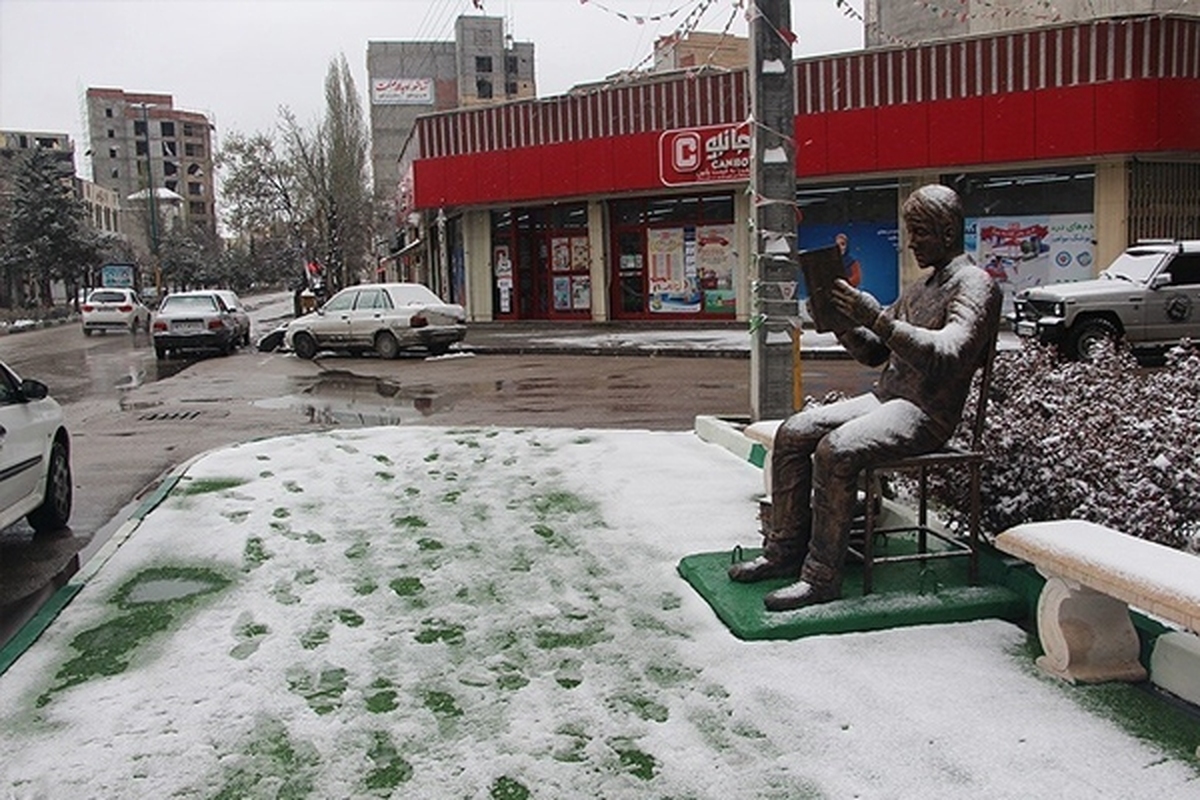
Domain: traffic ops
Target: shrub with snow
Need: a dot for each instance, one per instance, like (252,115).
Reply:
(1108,441)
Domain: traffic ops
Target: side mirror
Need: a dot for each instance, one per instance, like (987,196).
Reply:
(1160,280)
(33,390)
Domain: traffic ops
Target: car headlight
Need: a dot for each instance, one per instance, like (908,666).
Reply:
(1060,309)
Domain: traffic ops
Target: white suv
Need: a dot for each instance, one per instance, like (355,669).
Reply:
(1149,297)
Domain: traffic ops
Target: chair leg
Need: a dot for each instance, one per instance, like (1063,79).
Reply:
(869,533)
(973,533)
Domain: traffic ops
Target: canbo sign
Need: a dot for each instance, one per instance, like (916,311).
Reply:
(711,154)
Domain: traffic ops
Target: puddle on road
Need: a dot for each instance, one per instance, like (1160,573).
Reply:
(341,398)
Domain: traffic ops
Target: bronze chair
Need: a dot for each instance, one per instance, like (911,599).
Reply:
(971,457)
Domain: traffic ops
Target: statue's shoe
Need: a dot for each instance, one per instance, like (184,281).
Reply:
(764,569)
(799,595)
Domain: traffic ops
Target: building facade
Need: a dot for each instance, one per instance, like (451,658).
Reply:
(140,141)
(481,66)
(1066,142)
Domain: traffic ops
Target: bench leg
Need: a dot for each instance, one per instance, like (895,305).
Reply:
(1087,636)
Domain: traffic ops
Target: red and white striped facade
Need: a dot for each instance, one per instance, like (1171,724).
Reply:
(1103,88)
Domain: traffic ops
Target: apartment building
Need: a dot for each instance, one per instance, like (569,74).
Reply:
(140,141)
(481,66)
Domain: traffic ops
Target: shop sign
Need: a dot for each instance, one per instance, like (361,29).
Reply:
(402,91)
(709,154)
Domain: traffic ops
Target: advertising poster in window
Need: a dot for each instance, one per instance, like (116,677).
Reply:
(503,269)
(562,292)
(715,262)
(871,249)
(560,254)
(673,285)
(581,292)
(580,254)
(1022,252)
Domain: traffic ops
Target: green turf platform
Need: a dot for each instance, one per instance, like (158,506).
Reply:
(905,594)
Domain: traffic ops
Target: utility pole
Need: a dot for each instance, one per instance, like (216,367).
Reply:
(151,198)
(773,204)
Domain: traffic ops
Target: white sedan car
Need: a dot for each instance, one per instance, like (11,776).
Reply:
(384,317)
(35,455)
(114,310)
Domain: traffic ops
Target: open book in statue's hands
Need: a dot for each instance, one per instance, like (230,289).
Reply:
(821,268)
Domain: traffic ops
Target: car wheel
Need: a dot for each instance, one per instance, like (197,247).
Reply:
(1090,335)
(87,331)
(304,346)
(439,349)
(55,509)
(160,352)
(386,345)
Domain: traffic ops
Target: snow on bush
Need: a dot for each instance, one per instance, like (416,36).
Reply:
(1109,441)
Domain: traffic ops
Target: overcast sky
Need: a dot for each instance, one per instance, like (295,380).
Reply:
(238,62)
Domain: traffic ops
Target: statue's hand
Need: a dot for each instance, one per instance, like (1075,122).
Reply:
(858,306)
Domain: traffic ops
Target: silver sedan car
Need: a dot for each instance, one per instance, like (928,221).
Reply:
(35,455)
(384,317)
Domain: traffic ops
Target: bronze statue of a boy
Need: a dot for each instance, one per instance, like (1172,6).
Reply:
(930,342)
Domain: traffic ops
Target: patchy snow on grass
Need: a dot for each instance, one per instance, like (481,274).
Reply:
(437,612)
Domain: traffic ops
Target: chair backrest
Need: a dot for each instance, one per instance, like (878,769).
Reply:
(985,383)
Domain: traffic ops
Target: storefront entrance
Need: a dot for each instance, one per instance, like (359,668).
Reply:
(541,263)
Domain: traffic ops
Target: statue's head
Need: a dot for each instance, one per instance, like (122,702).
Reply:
(933,216)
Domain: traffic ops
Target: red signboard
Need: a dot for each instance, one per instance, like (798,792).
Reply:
(709,154)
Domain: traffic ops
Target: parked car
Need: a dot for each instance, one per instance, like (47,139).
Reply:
(114,310)
(1149,297)
(197,320)
(240,317)
(384,317)
(35,455)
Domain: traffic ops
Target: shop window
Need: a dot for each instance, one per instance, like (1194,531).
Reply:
(1014,194)
(862,220)
(483,89)
(483,64)
(167,128)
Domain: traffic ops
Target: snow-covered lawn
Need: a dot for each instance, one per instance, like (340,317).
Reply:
(431,612)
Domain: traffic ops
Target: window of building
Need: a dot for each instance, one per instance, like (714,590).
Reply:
(541,259)
(651,271)
(510,64)
(170,168)
(139,127)
(112,134)
(194,170)
(1064,191)
(193,150)
(483,89)
(189,129)
(196,208)
(172,185)
(140,147)
(195,188)
(168,149)
(483,64)
(114,174)
(112,152)
(167,127)
(510,88)
(108,112)
(863,216)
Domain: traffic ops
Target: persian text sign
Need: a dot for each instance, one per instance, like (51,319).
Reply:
(709,154)
(402,91)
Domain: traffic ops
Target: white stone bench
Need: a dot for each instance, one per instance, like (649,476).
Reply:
(763,432)
(1093,575)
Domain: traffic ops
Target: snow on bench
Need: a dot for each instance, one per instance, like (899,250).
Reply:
(1093,575)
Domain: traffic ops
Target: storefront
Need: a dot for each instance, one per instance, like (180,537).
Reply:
(631,202)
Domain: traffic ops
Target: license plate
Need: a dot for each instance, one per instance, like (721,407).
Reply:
(188,327)
(1025,328)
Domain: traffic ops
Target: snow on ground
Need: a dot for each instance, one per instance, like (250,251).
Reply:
(437,612)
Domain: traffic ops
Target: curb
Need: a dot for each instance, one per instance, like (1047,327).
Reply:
(29,633)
